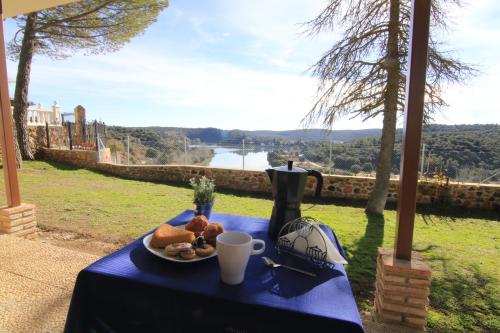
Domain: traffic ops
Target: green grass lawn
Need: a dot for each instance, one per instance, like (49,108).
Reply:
(463,252)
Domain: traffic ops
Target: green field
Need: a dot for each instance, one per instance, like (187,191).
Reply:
(463,252)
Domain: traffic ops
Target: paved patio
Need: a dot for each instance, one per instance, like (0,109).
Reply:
(37,280)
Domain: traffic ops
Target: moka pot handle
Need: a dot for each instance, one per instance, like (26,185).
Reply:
(319,178)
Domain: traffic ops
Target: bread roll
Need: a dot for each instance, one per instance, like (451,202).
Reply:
(213,229)
(211,232)
(197,224)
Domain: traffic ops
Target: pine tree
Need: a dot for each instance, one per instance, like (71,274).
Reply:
(364,73)
(96,26)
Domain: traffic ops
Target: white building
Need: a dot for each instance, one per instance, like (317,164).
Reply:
(38,115)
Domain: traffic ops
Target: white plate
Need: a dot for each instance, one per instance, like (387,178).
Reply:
(159,252)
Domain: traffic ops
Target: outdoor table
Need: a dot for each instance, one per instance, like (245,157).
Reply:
(132,290)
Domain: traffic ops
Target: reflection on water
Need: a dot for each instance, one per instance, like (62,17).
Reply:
(232,158)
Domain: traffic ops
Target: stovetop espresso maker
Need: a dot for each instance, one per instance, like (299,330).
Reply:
(288,184)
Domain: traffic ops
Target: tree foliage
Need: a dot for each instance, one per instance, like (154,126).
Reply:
(100,26)
(449,150)
(353,73)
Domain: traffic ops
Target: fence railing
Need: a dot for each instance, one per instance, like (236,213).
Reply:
(359,158)
(326,157)
(74,136)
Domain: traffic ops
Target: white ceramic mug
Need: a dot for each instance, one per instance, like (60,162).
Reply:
(233,252)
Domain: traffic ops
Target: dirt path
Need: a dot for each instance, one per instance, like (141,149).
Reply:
(78,242)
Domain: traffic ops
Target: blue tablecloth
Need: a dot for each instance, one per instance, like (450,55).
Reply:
(132,290)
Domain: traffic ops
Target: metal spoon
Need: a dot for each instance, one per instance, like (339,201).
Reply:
(270,263)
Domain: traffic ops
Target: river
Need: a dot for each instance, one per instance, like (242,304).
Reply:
(230,158)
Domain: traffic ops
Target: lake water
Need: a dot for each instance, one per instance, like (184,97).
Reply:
(229,158)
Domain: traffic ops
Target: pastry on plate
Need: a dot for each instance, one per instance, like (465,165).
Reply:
(211,232)
(197,224)
(172,250)
(187,254)
(167,234)
(205,250)
(199,242)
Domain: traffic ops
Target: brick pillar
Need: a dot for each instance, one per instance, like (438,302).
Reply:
(402,290)
(18,221)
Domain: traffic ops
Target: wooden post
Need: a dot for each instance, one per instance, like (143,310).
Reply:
(6,131)
(412,131)
(47,134)
(70,136)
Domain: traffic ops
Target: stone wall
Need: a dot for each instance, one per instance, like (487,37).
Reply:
(346,187)
(241,180)
(38,137)
(79,158)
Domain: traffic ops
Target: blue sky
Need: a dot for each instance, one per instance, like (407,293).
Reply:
(241,64)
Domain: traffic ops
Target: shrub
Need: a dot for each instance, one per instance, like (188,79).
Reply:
(151,153)
(355,168)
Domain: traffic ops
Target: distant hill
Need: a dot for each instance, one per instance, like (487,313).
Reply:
(318,134)
(215,135)
(462,152)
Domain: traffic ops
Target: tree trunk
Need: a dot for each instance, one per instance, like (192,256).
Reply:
(378,197)
(22,85)
(19,159)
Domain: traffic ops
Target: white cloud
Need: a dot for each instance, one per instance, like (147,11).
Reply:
(475,102)
(181,92)
(475,37)
(168,84)
(268,19)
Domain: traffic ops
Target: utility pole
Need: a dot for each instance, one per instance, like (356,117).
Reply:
(243,153)
(185,151)
(128,149)
(96,130)
(330,158)
(422,161)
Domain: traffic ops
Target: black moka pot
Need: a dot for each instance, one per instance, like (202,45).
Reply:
(288,184)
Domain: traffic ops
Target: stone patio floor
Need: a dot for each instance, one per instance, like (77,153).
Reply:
(37,280)
(36,283)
